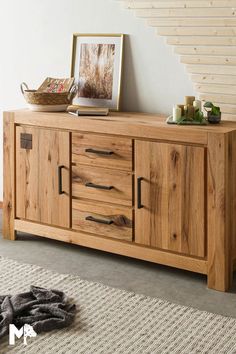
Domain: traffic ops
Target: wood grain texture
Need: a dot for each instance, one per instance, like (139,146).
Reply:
(202,32)
(220,89)
(232,191)
(121,149)
(205,50)
(175,4)
(192,22)
(220,262)
(187,12)
(212,60)
(196,31)
(8,177)
(114,246)
(211,69)
(177,191)
(152,126)
(217,97)
(125,124)
(121,181)
(214,79)
(173,216)
(122,218)
(37,196)
(201,40)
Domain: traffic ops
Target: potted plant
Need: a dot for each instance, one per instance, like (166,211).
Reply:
(213,113)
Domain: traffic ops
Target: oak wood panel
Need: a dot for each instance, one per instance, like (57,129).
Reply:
(201,40)
(192,22)
(213,60)
(187,12)
(121,181)
(220,262)
(37,196)
(122,219)
(8,176)
(120,147)
(114,246)
(217,97)
(202,31)
(173,216)
(205,50)
(135,125)
(183,4)
(227,116)
(214,79)
(122,124)
(232,191)
(220,89)
(230,109)
(196,31)
(211,69)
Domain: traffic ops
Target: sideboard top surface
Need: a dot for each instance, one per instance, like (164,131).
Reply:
(137,125)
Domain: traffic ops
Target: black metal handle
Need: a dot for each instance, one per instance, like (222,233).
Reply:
(100,221)
(60,190)
(139,192)
(99,152)
(97,186)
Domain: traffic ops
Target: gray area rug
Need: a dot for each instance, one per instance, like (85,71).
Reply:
(112,321)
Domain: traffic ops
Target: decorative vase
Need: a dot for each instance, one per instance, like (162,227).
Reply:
(213,119)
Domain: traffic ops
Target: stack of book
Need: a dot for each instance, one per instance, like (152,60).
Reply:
(87,111)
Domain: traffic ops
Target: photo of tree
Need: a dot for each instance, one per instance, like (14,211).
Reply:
(96,70)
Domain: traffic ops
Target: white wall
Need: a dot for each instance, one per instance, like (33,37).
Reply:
(35,39)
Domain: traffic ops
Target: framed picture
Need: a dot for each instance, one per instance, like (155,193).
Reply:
(97,67)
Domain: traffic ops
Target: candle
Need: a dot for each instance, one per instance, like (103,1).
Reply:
(189,100)
(181,106)
(177,113)
(191,111)
(197,105)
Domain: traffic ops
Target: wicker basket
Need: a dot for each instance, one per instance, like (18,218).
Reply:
(35,98)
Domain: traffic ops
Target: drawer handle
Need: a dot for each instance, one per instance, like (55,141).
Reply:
(97,186)
(99,152)
(99,221)
(60,190)
(139,192)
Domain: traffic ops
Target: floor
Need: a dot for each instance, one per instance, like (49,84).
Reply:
(141,277)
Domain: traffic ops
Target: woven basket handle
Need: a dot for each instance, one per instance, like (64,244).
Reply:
(72,92)
(23,87)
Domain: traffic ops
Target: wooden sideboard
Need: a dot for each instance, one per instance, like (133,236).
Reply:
(128,184)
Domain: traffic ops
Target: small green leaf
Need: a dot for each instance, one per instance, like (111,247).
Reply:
(208,105)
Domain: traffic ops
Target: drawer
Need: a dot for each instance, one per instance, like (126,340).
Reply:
(102,184)
(102,219)
(102,151)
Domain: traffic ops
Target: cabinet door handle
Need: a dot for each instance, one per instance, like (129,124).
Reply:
(139,192)
(97,186)
(99,221)
(99,152)
(60,190)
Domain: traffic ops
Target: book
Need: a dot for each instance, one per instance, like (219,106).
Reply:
(56,85)
(87,111)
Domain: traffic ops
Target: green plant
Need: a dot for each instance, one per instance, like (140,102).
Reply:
(209,107)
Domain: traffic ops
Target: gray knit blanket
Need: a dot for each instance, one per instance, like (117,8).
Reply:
(41,308)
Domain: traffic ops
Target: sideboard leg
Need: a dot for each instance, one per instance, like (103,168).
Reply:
(220,267)
(8,177)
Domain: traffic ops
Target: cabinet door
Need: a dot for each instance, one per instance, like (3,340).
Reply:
(42,175)
(170,191)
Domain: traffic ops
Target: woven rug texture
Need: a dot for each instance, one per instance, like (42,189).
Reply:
(113,321)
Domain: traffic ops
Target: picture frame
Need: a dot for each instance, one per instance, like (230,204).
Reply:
(97,68)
